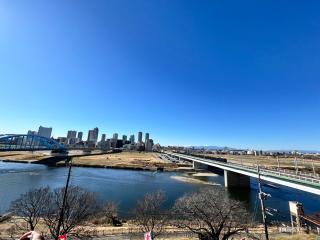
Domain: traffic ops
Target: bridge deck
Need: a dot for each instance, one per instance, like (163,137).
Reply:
(302,182)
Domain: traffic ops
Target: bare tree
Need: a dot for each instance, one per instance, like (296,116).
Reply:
(210,214)
(30,206)
(110,211)
(149,213)
(80,205)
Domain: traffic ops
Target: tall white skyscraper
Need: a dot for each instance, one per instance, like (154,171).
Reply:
(93,135)
(45,132)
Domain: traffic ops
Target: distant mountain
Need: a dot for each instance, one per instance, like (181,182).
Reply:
(212,147)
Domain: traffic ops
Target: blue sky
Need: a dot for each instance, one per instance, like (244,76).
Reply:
(227,73)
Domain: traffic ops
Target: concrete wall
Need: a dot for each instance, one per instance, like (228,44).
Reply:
(236,180)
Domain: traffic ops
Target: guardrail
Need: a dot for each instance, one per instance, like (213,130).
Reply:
(263,171)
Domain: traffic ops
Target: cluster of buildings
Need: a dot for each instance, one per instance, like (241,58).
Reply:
(232,151)
(75,139)
(42,131)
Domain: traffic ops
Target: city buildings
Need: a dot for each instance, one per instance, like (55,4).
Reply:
(71,134)
(30,132)
(132,139)
(139,137)
(103,137)
(115,136)
(149,145)
(93,137)
(62,140)
(74,139)
(45,132)
(80,135)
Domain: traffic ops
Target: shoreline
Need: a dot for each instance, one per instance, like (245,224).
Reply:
(134,168)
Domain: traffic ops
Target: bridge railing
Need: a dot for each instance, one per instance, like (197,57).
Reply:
(315,179)
(21,142)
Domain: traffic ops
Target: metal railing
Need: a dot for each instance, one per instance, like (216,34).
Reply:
(310,178)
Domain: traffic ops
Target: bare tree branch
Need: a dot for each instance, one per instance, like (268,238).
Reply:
(149,214)
(80,206)
(210,214)
(29,206)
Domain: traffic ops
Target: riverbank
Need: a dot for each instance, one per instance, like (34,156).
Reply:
(143,161)
(10,230)
(128,160)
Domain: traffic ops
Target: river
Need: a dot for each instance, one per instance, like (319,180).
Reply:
(127,186)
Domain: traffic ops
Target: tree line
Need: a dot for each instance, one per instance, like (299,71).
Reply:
(208,213)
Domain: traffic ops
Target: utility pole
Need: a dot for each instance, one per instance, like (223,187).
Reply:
(262,197)
(64,199)
(278,164)
(313,169)
(296,164)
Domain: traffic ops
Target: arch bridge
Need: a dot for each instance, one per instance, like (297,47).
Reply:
(25,142)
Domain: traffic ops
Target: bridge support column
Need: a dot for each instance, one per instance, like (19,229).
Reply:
(236,180)
(196,165)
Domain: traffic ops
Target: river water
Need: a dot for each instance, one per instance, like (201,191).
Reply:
(127,186)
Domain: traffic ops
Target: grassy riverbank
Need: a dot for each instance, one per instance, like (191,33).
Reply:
(123,160)
(10,230)
(127,160)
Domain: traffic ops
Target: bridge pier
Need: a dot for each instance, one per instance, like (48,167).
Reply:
(197,165)
(236,180)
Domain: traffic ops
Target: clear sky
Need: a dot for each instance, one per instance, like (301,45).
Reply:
(226,73)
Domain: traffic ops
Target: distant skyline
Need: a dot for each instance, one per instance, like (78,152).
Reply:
(242,74)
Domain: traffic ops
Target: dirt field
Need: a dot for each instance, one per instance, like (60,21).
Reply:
(141,160)
(22,156)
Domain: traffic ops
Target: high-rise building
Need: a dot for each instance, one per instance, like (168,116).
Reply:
(139,137)
(148,145)
(106,145)
(72,137)
(124,138)
(71,134)
(30,132)
(132,138)
(103,137)
(115,136)
(45,132)
(80,135)
(93,136)
(146,137)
